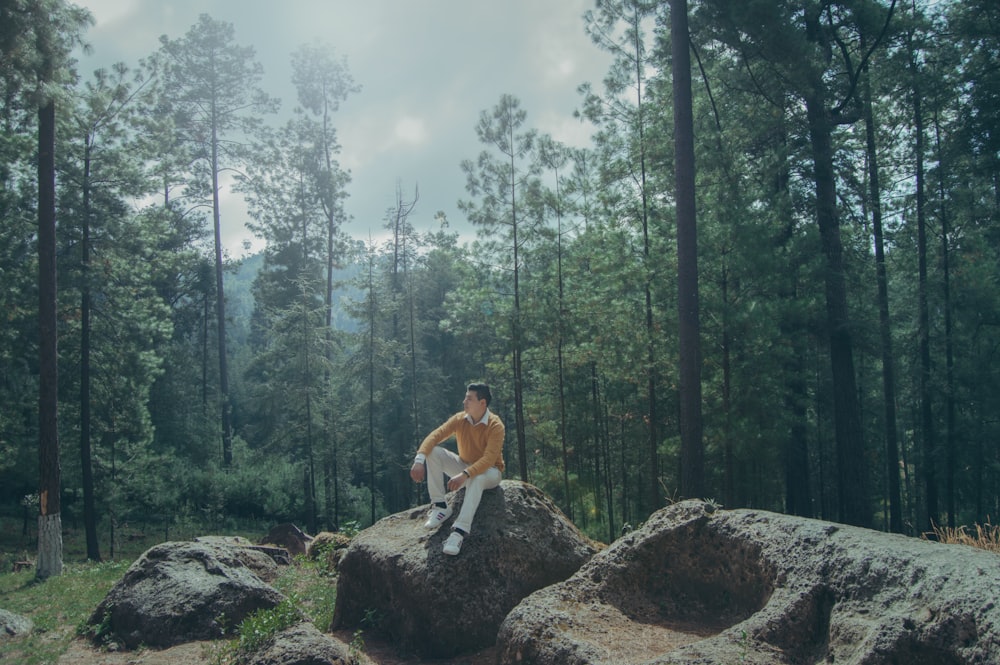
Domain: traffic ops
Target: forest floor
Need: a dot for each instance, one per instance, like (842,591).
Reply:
(206,653)
(82,586)
(61,604)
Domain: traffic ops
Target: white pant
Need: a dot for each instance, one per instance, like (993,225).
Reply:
(442,461)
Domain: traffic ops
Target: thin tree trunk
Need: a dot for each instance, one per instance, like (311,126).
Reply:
(885,328)
(220,307)
(414,405)
(926,403)
(50,546)
(371,380)
(329,441)
(329,510)
(560,333)
(651,359)
(86,465)
(307,379)
(522,447)
(728,450)
(950,442)
(205,316)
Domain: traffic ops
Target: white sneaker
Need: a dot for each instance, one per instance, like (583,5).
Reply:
(453,545)
(437,516)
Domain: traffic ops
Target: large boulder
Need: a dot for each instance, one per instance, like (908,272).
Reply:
(304,644)
(395,580)
(181,592)
(697,585)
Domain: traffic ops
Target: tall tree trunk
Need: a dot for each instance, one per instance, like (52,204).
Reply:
(852,485)
(50,546)
(692,446)
(885,329)
(522,447)
(307,379)
(86,465)
(926,403)
(560,360)
(220,309)
(402,414)
(371,379)
(311,507)
(728,449)
(329,443)
(950,442)
(652,376)
(206,315)
(414,404)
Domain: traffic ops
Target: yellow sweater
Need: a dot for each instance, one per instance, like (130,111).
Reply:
(479,445)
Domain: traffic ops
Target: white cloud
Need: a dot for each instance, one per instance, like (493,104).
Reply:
(427,69)
(411,131)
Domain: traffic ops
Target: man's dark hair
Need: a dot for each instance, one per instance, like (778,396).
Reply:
(482,391)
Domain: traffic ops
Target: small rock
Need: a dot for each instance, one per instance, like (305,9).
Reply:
(13,625)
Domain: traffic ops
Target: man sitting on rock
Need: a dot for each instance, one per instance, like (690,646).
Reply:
(478,466)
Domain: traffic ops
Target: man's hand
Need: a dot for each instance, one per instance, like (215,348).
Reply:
(418,471)
(457,481)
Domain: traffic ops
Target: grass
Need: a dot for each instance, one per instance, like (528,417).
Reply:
(984,536)
(56,606)
(60,606)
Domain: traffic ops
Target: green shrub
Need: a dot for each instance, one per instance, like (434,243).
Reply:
(258,630)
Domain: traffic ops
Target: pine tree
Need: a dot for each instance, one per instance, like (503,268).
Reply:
(211,90)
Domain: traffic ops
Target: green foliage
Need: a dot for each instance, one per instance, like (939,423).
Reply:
(78,589)
(258,629)
(256,487)
(326,418)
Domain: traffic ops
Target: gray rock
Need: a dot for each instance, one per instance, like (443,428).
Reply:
(304,644)
(262,561)
(696,585)
(395,580)
(181,592)
(13,625)
(288,536)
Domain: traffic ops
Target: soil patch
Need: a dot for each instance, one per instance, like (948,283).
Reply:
(82,652)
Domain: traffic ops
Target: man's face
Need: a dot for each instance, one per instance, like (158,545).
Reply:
(474,407)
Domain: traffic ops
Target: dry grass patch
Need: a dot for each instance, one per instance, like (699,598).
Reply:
(984,536)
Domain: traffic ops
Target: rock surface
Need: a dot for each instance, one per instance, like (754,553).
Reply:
(13,625)
(394,578)
(696,585)
(304,644)
(288,536)
(263,561)
(181,592)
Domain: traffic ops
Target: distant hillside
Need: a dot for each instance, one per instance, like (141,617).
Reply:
(240,300)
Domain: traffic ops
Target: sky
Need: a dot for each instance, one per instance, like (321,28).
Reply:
(426,68)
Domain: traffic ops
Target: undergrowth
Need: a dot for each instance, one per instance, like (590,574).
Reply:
(61,606)
(307,598)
